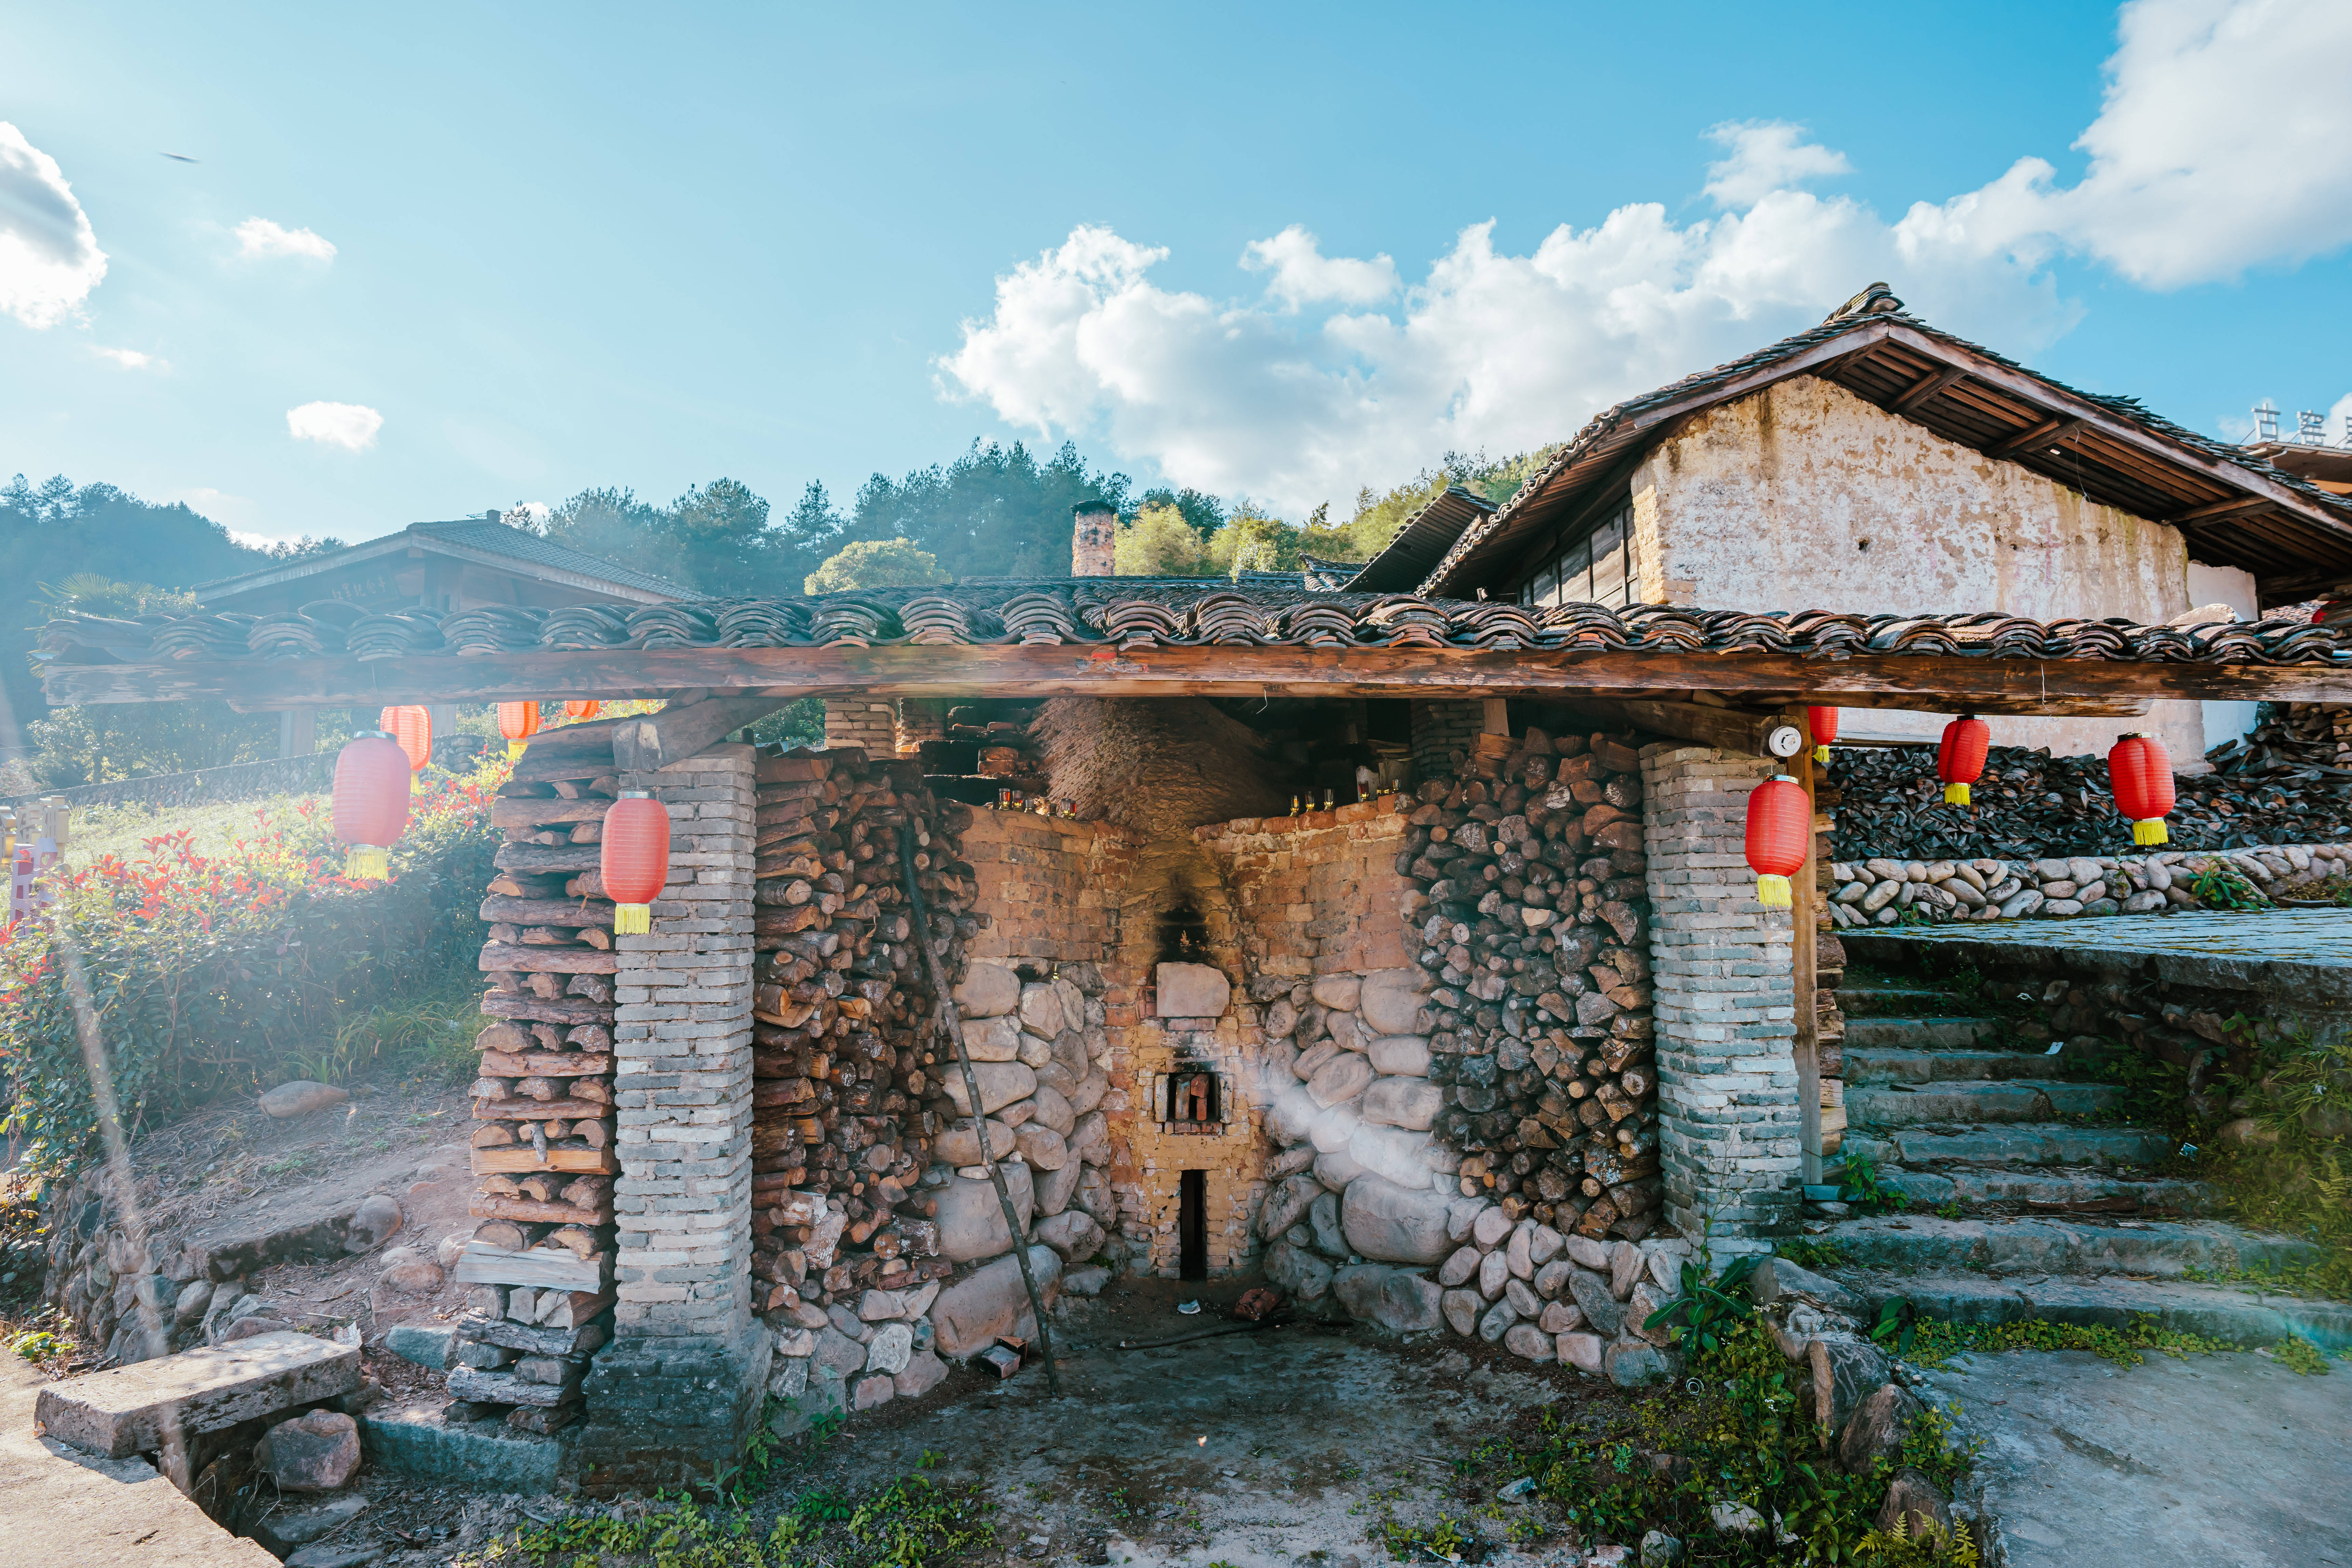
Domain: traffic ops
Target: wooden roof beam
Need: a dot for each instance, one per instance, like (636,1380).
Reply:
(2054,431)
(1927,681)
(1925,388)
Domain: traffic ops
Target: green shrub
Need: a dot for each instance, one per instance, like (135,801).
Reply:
(206,975)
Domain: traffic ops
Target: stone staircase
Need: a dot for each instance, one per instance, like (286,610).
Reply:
(2025,1198)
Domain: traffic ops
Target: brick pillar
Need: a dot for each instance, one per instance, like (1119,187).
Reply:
(862,721)
(920,719)
(1094,539)
(1729,1130)
(677,1391)
(1440,728)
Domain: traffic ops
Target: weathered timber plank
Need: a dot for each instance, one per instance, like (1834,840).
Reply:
(524,960)
(571,857)
(540,1267)
(547,911)
(485,1207)
(542,1111)
(544,1064)
(527,812)
(532,1009)
(128,1410)
(657,739)
(523,1159)
(1928,683)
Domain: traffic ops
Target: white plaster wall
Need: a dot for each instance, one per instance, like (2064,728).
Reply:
(1805,496)
(2225,586)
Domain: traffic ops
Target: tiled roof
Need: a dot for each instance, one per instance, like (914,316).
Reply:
(1416,548)
(1136,614)
(463,536)
(1614,436)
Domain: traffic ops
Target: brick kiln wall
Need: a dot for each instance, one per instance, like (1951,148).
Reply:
(1453,994)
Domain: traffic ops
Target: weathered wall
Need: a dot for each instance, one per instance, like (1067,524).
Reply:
(1803,496)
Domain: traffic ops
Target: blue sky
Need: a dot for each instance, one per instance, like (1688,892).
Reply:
(488,255)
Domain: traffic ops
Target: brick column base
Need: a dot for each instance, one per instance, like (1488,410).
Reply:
(674,1394)
(1730,1134)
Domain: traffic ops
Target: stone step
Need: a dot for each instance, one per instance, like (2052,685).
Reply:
(2039,1247)
(1881,1064)
(1867,1001)
(127,1410)
(2240,1317)
(2049,1192)
(1971,1101)
(2014,1145)
(1916,1034)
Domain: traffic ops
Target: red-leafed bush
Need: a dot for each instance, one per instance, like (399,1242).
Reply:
(204,974)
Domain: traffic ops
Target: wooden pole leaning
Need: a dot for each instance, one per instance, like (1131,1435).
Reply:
(944,1020)
(1804,912)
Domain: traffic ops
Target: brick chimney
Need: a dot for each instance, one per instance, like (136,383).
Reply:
(1094,527)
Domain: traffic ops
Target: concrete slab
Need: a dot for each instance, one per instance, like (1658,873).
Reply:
(61,1506)
(2300,958)
(2214,1460)
(126,1410)
(487,1456)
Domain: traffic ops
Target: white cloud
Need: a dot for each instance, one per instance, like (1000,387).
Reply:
(258,236)
(2224,142)
(49,259)
(1343,374)
(1302,275)
(351,426)
(1766,155)
(129,359)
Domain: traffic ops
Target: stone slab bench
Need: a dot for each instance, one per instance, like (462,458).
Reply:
(128,1410)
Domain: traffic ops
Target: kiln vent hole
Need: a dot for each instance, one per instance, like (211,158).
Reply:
(1183,935)
(1192,1224)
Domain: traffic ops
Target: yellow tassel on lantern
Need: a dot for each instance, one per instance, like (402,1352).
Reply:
(2151,830)
(368,864)
(632,920)
(1772,892)
(1955,795)
(1822,755)
(514,749)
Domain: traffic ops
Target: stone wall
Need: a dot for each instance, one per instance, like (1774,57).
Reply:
(1864,893)
(1726,1000)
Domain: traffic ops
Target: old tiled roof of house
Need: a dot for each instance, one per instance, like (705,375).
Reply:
(475,539)
(1141,613)
(2237,508)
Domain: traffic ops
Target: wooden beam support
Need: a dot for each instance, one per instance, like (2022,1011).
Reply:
(1804,912)
(1925,388)
(1733,729)
(2223,508)
(645,746)
(1930,682)
(2051,432)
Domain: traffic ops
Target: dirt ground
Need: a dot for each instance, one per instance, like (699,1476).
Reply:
(1274,1446)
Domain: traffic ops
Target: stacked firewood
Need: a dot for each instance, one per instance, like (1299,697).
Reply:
(1536,934)
(844,1058)
(2280,789)
(540,1260)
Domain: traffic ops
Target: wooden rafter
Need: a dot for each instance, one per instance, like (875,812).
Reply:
(1925,388)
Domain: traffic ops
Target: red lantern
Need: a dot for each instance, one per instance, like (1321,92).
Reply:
(371,809)
(2140,771)
(1960,756)
(575,712)
(636,859)
(412,728)
(1780,816)
(1823,723)
(518,722)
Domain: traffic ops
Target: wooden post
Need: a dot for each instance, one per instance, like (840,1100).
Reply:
(1496,717)
(1804,909)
